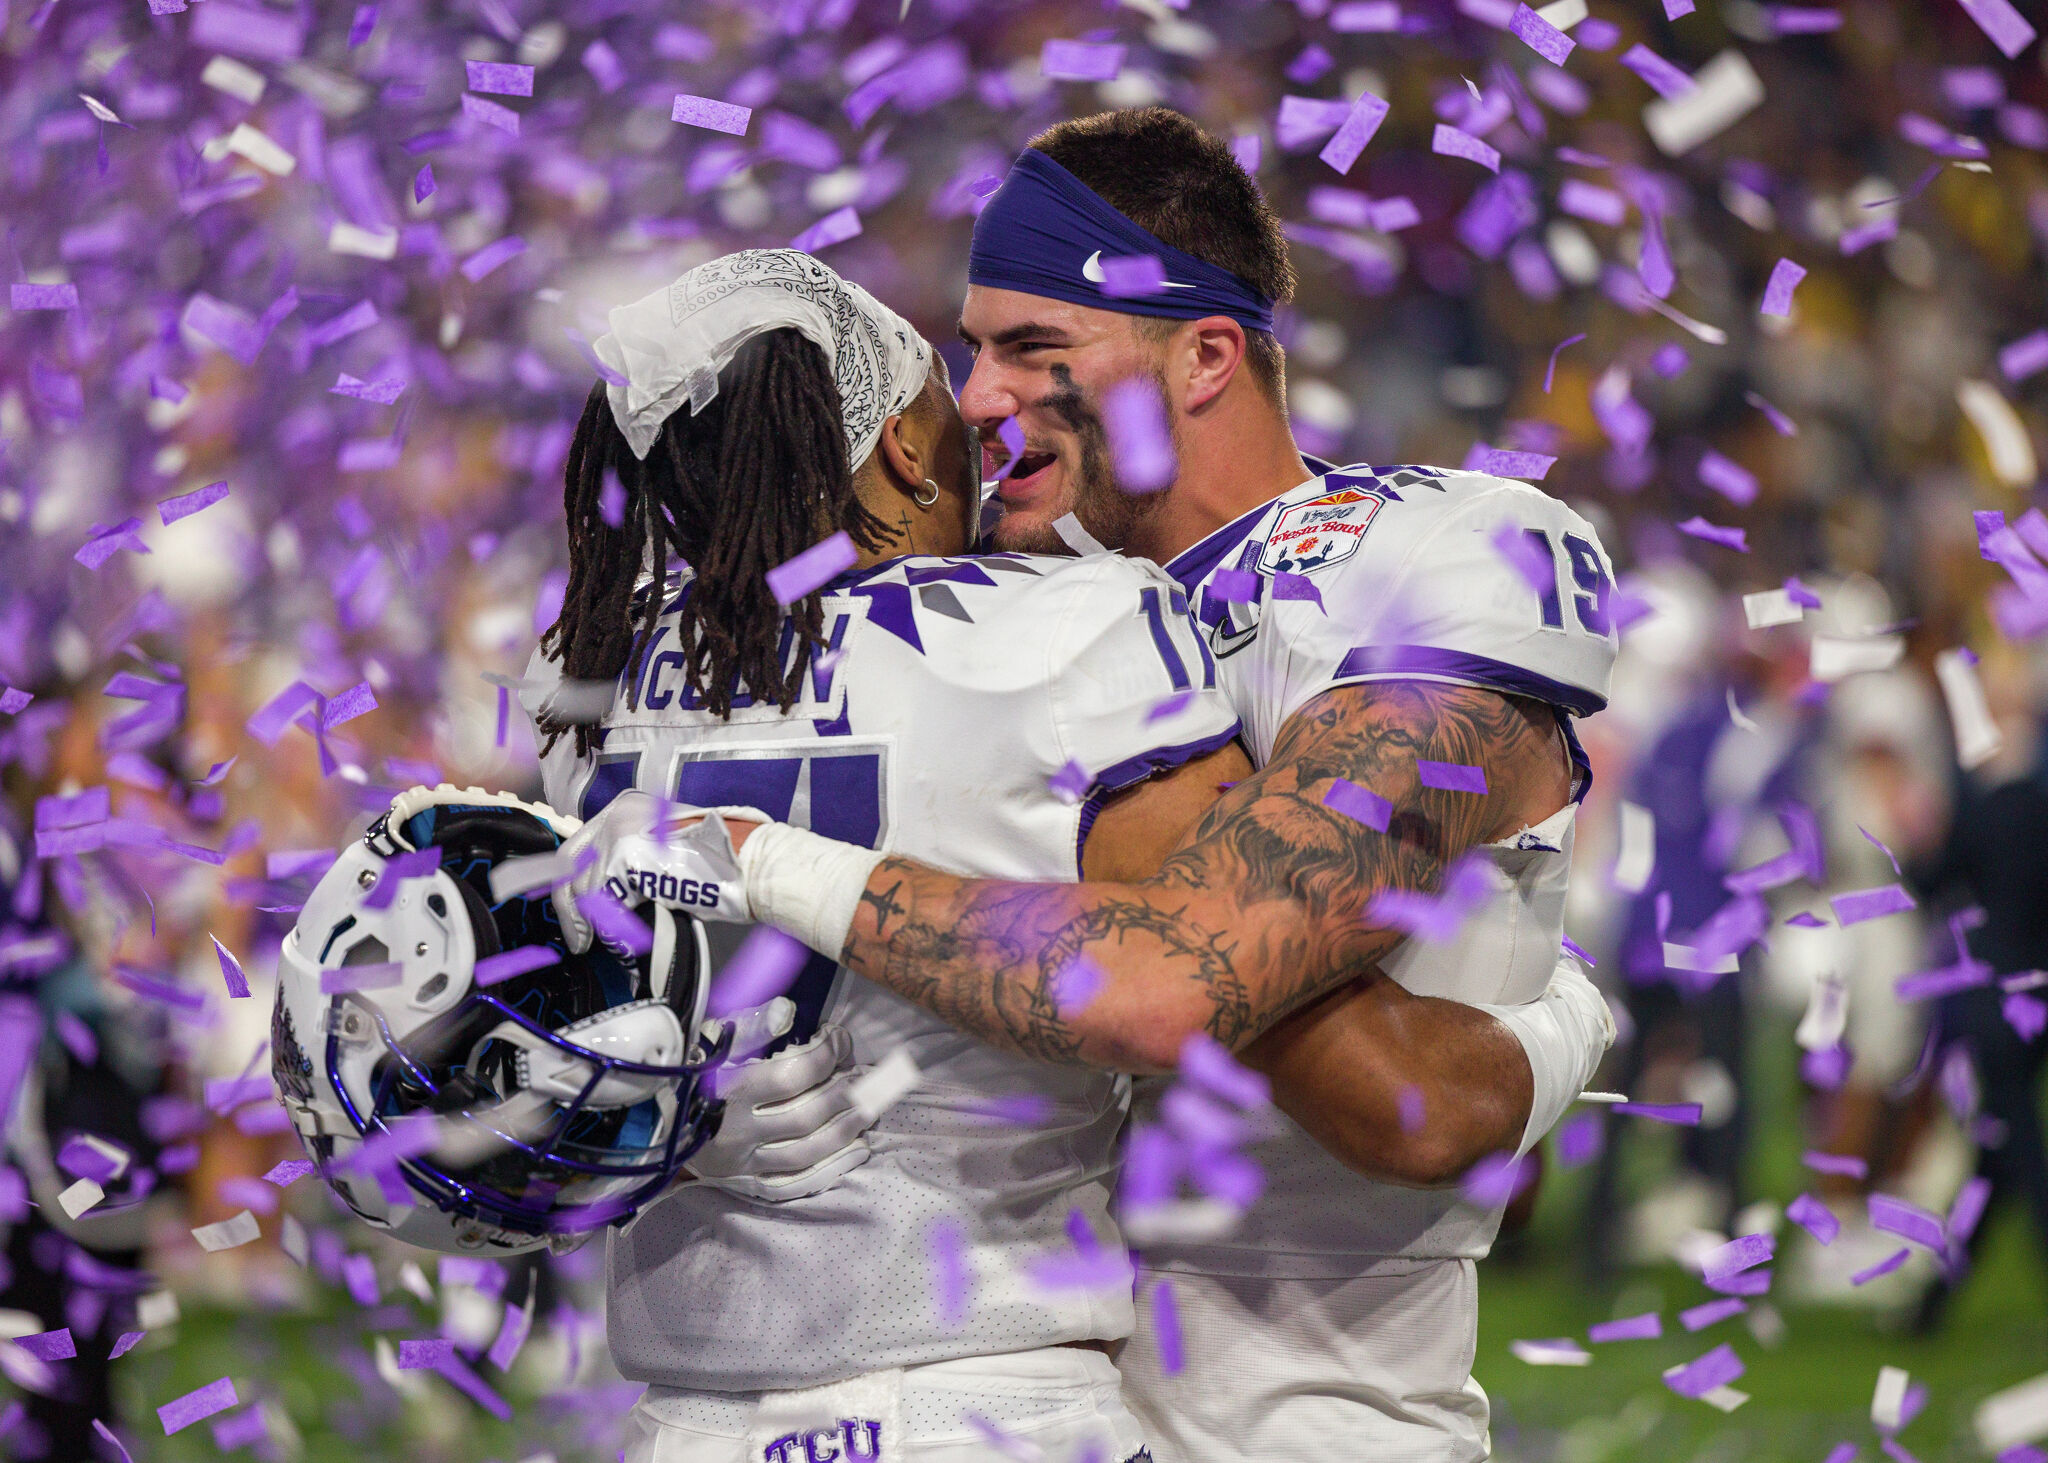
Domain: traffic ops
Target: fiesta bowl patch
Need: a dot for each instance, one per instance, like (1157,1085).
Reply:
(1321,532)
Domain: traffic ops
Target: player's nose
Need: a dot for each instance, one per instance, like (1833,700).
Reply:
(986,400)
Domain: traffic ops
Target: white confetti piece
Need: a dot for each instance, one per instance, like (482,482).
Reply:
(1727,1399)
(346,238)
(242,82)
(292,1240)
(1637,859)
(1827,1014)
(1725,90)
(258,148)
(1889,1400)
(1564,14)
(1837,656)
(229,1233)
(2004,436)
(80,1197)
(885,1084)
(1685,957)
(1552,1353)
(1977,736)
(2013,1417)
(157,1310)
(1771,607)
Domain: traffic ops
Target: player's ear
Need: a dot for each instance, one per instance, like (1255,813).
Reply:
(1211,352)
(900,457)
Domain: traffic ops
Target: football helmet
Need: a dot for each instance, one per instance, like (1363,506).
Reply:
(485,1116)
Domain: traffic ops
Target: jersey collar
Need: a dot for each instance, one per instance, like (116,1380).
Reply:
(1194,564)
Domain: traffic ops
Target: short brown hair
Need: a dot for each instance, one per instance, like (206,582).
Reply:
(1165,174)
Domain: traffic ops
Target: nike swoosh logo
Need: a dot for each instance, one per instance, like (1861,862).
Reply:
(1091,270)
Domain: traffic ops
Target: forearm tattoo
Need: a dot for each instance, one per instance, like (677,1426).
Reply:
(1264,909)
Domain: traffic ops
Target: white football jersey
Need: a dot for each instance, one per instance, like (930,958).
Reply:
(1412,580)
(960,690)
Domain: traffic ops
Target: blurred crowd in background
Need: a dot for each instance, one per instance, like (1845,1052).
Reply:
(304,261)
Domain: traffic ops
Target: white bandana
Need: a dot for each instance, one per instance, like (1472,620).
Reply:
(671,345)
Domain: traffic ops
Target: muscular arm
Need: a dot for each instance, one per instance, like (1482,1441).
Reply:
(1263,911)
(1340,1065)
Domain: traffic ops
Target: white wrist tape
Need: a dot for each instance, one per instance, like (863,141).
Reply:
(1564,1032)
(804,885)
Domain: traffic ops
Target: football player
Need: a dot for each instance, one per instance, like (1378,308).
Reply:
(1407,649)
(940,706)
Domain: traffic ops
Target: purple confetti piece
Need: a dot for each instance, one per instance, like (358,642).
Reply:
(947,1244)
(500,78)
(49,1345)
(1133,276)
(1863,904)
(1071,783)
(1233,586)
(1540,36)
(184,505)
(231,971)
(2026,1015)
(124,1344)
(511,1338)
(100,1427)
(1410,1107)
(1680,1114)
(1550,371)
(1717,1368)
(423,1355)
(1745,1252)
(1493,1181)
(1530,466)
(1842,1165)
(1297,587)
(423,184)
(835,227)
(2008,29)
(383,393)
(419,864)
(1811,1215)
(1730,479)
(1908,1221)
(2024,356)
(271,720)
(1172,706)
(44,296)
(1075,985)
(1699,1317)
(765,965)
(613,923)
(490,114)
(1593,203)
(290,864)
(13,701)
(1360,123)
(1713,533)
(1208,1064)
(363,25)
(104,542)
(1780,423)
(527,958)
(1140,440)
(1449,141)
(1451,776)
(1785,277)
(1803,20)
(361,978)
(811,570)
(1882,1267)
(1361,804)
(1166,1329)
(1646,1327)
(491,256)
(1878,844)
(1577,952)
(1063,60)
(196,1406)
(287,1172)
(1662,77)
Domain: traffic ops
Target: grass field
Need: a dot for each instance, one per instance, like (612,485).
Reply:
(1808,1392)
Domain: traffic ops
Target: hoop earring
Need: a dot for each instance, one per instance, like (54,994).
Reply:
(921,500)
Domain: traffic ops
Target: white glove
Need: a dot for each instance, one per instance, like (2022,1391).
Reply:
(692,869)
(790,1128)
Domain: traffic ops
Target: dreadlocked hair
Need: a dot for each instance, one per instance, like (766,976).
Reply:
(749,482)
